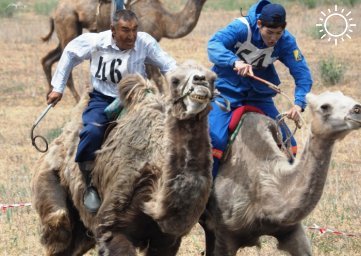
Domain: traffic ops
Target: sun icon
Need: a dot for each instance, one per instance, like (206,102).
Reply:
(340,22)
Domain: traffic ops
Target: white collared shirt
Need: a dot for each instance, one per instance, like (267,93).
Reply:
(108,63)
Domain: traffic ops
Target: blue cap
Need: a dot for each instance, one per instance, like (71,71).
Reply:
(273,13)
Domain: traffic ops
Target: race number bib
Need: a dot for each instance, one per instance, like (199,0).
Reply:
(109,67)
(258,58)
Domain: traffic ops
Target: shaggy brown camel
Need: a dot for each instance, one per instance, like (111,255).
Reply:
(258,192)
(72,16)
(153,172)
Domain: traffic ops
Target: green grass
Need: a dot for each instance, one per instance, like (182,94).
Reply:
(332,71)
(44,7)
(8,8)
(314,32)
(228,5)
(310,3)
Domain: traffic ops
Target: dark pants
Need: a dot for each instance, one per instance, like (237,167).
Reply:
(95,123)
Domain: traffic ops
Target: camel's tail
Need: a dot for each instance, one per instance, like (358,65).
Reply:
(48,36)
(134,88)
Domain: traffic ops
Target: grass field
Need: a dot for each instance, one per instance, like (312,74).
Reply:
(22,98)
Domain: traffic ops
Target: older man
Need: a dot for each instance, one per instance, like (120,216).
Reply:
(113,54)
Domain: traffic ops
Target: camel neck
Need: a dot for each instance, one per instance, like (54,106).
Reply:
(307,179)
(187,172)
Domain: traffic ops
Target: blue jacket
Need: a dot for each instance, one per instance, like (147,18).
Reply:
(222,48)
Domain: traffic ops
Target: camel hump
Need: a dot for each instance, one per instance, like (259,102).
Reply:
(134,88)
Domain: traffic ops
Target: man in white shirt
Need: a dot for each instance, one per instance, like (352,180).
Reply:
(112,54)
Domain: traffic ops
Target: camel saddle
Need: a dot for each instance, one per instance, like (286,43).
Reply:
(232,128)
(237,115)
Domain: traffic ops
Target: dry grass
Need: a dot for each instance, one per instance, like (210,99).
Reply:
(22,98)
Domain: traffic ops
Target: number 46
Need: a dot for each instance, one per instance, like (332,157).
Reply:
(102,68)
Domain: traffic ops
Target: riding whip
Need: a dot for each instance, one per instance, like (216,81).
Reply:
(269,84)
(34,138)
(278,90)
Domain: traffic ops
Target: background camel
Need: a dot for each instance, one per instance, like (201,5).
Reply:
(22,100)
(71,17)
(258,192)
(153,172)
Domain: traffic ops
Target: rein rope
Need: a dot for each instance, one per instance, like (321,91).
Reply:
(285,145)
(175,101)
(279,91)
(231,140)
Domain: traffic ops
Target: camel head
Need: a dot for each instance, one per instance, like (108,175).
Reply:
(191,90)
(334,115)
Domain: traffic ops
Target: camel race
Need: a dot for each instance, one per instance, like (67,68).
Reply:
(184,127)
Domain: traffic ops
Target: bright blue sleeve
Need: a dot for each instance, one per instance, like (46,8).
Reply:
(221,45)
(291,56)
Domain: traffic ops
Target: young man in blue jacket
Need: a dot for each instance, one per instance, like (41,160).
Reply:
(250,45)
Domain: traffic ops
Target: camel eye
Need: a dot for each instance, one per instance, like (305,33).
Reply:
(357,109)
(325,107)
(175,81)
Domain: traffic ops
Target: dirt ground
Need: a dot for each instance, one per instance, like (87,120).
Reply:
(22,99)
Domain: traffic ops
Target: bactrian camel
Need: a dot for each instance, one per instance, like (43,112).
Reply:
(153,172)
(258,192)
(72,16)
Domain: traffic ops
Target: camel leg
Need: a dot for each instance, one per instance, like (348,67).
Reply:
(209,235)
(67,28)
(71,87)
(227,242)
(294,241)
(114,244)
(102,19)
(163,246)
(47,62)
(81,241)
(210,242)
(49,200)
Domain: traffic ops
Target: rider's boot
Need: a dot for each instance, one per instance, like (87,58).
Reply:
(91,198)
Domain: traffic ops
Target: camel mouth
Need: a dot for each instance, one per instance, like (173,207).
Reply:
(354,115)
(350,118)
(201,94)
(199,98)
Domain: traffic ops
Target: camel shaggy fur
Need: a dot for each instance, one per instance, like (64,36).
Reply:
(258,192)
(153,172)
(72,16)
